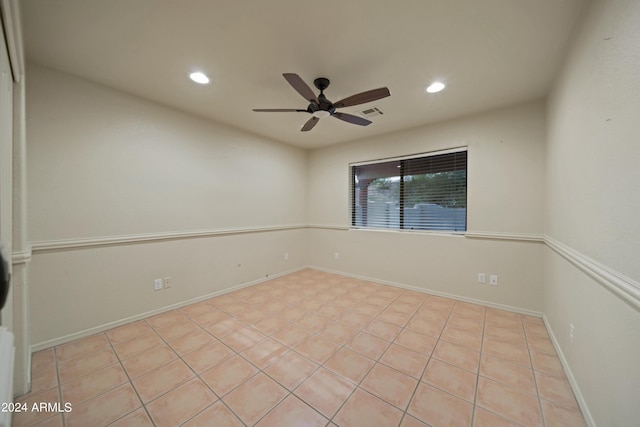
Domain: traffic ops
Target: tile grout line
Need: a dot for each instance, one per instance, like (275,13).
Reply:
(475,395)
(533,372)
(130,383)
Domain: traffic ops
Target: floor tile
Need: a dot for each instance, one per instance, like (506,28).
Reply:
(506,351)
(68,371)
(340,332)
(198,309)
(129,331)
(561,416)
(82,347)
(508,373)
(360,352)
(390,385)
(137,418)
(228,375)
(93,384)
(509,403)
(177,330)
(429,327)
(461,337)
(404,360)
(291,369)
(415,341)
(349,364)
(541,344)
(104,409)
(451,379)
(555,389)
(409,421)
(293,412)
(438,408)
(383,330)
(181,404)
(166,319)
(148,360)
(210,317)
(191,341)
(365,410)
(44,379)
(457,355)
(264,353)
(317,349)
(271,325)
(32,417)
(398,318)
(253,399)
(217,415)
(484,418)
(225,327)
(161,380)
(243,338)
(291,314)
(136,346)
(547,363)
(325,391)
(368,345)
(207,356)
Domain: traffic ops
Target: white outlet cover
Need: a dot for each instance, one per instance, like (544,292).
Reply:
(493,280)
(157,284)
(482,278)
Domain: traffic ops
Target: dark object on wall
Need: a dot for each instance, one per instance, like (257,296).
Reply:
(5,278)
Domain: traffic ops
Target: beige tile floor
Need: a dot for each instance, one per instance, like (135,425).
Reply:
(310,349)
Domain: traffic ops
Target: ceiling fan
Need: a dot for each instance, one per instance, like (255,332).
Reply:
(320,107)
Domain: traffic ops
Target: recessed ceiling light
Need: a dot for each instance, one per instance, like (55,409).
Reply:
(199,77)
(435,87)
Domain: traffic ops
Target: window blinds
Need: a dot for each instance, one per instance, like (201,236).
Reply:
(426,192)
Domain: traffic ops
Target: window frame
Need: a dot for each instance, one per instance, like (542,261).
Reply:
(401,202)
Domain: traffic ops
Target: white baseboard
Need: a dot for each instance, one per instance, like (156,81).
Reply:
(101,328)
(572,379)
(432,292)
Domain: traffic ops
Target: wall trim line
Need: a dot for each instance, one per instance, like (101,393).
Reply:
(21,257)
(624,287)
(54,245)
(104,327)
(521,237)
(582,403)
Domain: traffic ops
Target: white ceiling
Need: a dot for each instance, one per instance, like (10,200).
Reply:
(490,53)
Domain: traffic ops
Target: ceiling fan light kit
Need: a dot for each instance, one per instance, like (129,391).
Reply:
(320,107)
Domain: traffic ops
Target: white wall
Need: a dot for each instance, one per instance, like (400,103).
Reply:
(505,196)
(107,167)
(593,200)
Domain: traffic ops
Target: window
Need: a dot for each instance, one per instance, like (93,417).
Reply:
(425,192)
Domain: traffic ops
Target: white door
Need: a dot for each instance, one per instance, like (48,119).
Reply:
(6,161)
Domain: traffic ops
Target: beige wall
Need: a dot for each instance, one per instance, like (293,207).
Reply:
(592,208)
(505,196)
(105,165)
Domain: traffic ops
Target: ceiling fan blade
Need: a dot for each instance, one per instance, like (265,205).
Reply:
(278,110)
(350,118)
(300,86)
(363,97)
(310,124)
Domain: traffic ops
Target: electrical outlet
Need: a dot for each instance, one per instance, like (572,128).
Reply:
(167,282)
(482,278)
(493,280)
(286,255)
(572,332)
(157,284)
(336,255)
